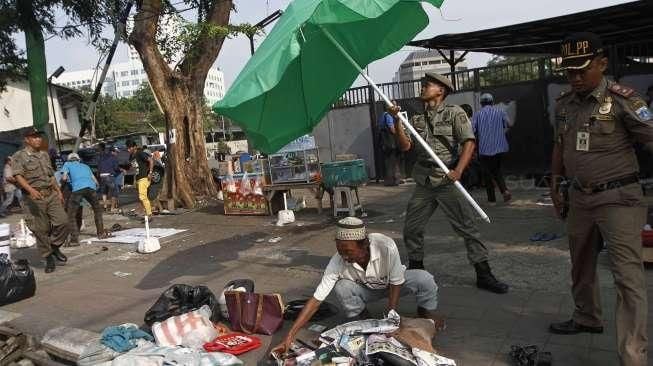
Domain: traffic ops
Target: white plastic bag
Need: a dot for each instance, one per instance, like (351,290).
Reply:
(245,185)
(231,184)
(258,190)
(23,237)
(192,329)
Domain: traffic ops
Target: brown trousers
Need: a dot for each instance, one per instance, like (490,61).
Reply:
(48,221)
(618,215)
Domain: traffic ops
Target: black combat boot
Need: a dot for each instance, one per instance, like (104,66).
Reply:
(485,279)
(56,253)
(49,264)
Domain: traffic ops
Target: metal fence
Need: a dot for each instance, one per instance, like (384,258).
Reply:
(625,59)
(464,80)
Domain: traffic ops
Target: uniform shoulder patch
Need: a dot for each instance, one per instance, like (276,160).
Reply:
(624,91)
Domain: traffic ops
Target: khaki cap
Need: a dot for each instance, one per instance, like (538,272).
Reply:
(440,79)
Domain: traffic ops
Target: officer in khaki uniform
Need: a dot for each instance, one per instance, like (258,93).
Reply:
(449,133)
(596,125)
(43,198)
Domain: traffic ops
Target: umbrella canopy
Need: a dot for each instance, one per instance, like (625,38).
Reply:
(298,72)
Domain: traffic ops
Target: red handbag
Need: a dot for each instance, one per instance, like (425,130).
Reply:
(233,343)
(250,312)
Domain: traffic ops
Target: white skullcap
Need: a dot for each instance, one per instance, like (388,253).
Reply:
(351,228)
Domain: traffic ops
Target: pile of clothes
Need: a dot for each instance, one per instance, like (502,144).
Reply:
(181,328)
(389,341)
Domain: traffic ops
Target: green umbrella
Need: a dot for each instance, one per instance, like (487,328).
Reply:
(297,72)
(311,56)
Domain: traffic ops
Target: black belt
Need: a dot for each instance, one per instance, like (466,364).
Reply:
(617,183)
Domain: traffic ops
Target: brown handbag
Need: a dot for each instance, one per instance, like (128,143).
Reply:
(250,312)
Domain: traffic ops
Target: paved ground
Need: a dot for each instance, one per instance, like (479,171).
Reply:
(216,248)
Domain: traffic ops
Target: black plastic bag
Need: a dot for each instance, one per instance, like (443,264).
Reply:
(180,299)
(16,280)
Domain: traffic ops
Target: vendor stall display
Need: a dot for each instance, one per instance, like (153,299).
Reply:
(296,162)
(243,195)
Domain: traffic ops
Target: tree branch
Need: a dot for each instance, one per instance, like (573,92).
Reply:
(196,65)
(143,38)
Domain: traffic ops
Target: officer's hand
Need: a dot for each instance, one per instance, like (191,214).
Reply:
(394,110)
(558,203)
(282,348)
(35,195)
(454,175)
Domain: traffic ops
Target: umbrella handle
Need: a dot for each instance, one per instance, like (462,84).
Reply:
(408,126)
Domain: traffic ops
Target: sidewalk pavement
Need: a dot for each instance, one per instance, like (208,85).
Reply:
(481,326)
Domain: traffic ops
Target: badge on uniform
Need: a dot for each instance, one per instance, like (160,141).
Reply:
(644,113)
(606,106)
(583,141)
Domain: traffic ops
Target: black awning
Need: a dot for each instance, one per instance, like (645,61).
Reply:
(623,23)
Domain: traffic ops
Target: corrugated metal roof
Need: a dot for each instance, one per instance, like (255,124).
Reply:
(623,23)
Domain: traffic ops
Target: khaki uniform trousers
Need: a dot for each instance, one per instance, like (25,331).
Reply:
(618,215)
(425,200)
(48,221)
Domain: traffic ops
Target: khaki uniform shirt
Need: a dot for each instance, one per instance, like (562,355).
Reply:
(34,166)
(446,122)
(597,132)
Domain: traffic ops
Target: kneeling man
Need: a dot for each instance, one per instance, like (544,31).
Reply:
(367,268)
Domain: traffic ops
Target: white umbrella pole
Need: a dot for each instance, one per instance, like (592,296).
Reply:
(409,127)
(147,227)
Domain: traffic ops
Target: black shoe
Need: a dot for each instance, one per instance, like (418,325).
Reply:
(571,327)
(485,279)
(415,264)
(56,253)
(49,264)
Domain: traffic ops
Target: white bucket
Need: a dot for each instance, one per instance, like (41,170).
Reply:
(5,234)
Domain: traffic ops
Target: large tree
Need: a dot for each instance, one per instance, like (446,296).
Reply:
(177,71)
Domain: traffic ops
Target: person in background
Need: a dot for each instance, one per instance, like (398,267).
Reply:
(9,186)
(649,96)
(143,177)
(468,110)
(391,153)
(490,125)
(366,268)
(108,169)
(84,185)
(223,150)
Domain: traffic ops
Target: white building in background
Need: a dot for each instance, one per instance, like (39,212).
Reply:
(419,63)
(64,109)
(124,78)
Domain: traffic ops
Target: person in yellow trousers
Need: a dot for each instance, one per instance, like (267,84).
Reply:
(143,177)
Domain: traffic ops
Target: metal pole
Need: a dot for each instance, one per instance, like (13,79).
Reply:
(251,45)
(409,127)
(86,119)
(54,116)
(35,64)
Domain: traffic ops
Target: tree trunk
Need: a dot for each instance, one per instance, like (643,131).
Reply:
(180,94)
(187,175)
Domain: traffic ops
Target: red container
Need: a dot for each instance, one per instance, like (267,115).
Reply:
(647,238)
